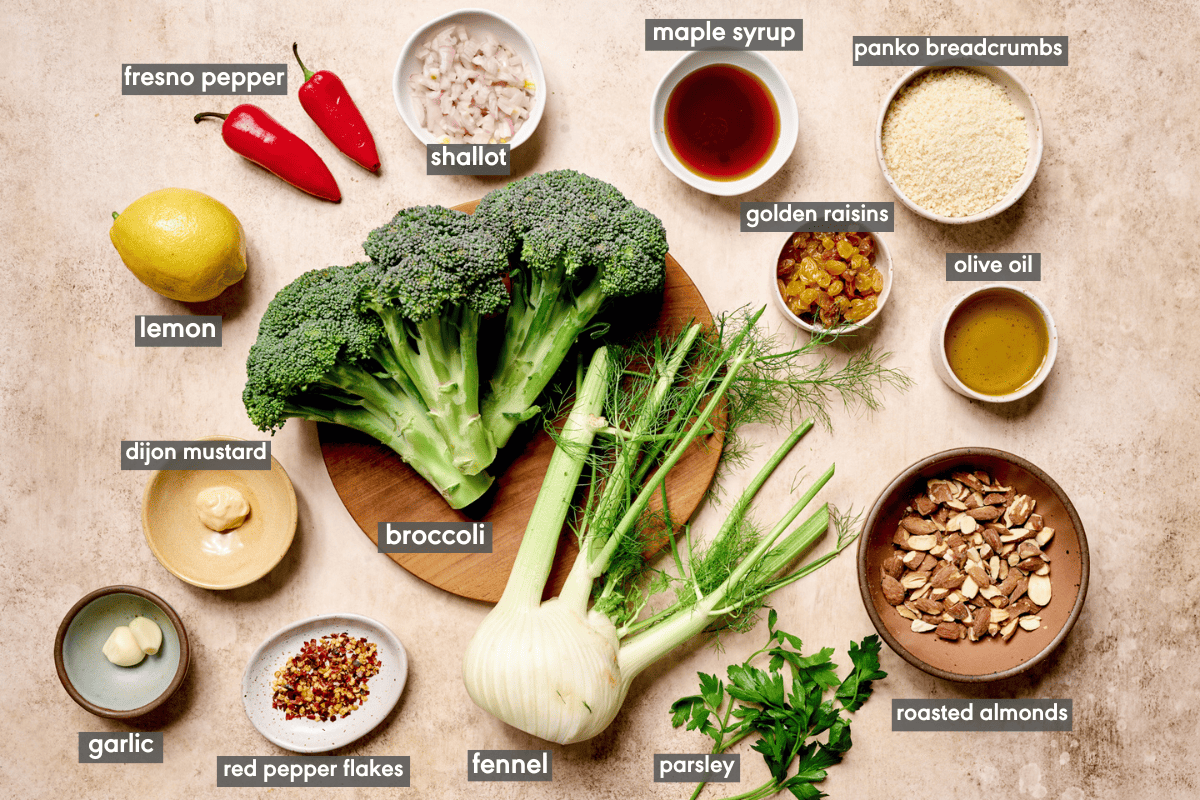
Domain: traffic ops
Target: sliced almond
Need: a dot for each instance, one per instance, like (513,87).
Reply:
(1022,606)
(928,606)
(926,542)
(994,569)
(1035,522)
(923,505)
(1044,536)
(951,631)
(920,626)
(1016,535)
(917,594)
(957,505)
(992,539)
(970,588)
(998,615)
(913,580)
(938,594)
(917,525)
(984,513)
(939,491)
(912,558)
(1022,506)
(893,592)
(989,592)
(1028,549)
(905,612)
(977,574)
(1042,570)
(1030,622)
(1039,589)
(1019,589)
(958,611)
(1008,630)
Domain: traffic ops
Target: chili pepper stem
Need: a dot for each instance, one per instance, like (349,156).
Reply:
(116,214)
(308,73)
(206,114)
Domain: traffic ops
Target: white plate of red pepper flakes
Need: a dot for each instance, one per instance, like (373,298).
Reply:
(324,682)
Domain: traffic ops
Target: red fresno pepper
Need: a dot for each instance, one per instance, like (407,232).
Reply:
(254,134)
(326,100)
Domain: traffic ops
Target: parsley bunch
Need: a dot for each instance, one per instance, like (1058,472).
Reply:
(788,723)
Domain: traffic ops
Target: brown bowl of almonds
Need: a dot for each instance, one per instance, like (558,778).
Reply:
(973,565)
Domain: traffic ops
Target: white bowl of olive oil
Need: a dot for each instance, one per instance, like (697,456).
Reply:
(996,343)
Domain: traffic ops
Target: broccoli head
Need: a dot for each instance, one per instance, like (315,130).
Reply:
(436,274)
(579,242)
(321,355)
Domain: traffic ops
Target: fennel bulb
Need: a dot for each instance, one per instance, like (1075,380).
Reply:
(561,669)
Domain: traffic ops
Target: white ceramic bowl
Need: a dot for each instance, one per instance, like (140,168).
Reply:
(758,65)
(315,736)
(1020,96)
(937,346)
(477,20)
(883,263)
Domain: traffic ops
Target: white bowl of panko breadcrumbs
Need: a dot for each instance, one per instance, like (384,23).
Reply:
(959,144)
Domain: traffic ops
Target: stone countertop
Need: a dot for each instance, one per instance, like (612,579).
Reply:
(1115,423)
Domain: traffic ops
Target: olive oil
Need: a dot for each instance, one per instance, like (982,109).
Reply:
(996,342)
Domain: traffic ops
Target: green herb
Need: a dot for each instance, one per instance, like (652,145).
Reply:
(787,721)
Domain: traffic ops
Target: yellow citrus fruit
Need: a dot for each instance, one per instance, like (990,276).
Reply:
(181,243)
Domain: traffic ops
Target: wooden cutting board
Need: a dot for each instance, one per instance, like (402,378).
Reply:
(377,486)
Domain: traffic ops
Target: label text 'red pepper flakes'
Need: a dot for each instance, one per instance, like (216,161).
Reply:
(327,679)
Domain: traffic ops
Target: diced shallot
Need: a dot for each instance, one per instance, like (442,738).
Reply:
(473,90)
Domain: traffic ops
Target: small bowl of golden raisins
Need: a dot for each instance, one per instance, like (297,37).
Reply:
(832,282)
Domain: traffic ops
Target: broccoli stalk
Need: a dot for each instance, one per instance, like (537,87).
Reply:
(578,243)
(437,274)
(320,356)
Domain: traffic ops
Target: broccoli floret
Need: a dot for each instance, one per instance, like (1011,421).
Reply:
(579,243)
(437,274)
(321,356)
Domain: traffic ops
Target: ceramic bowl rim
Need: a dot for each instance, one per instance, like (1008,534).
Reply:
(1036,146)
(400,80)
(171,568)
(902,479)
(885,251)
(789,121)
(180,672)
(1047,362)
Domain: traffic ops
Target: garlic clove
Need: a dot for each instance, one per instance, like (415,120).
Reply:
(147,634)
(122,649)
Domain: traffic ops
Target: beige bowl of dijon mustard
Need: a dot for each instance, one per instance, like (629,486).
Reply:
(174,523)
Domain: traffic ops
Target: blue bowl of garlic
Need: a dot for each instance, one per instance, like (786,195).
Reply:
(121,652)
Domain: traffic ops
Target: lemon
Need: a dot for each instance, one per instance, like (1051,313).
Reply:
(182,244)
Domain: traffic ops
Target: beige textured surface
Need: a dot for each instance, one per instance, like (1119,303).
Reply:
(1112,212)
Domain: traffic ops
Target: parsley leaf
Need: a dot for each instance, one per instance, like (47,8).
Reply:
(785,706)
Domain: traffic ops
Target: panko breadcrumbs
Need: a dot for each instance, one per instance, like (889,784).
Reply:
(954,142)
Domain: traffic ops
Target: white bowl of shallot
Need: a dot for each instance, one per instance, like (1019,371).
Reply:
(470,77)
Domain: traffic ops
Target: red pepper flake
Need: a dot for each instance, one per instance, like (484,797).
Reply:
(327,679)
